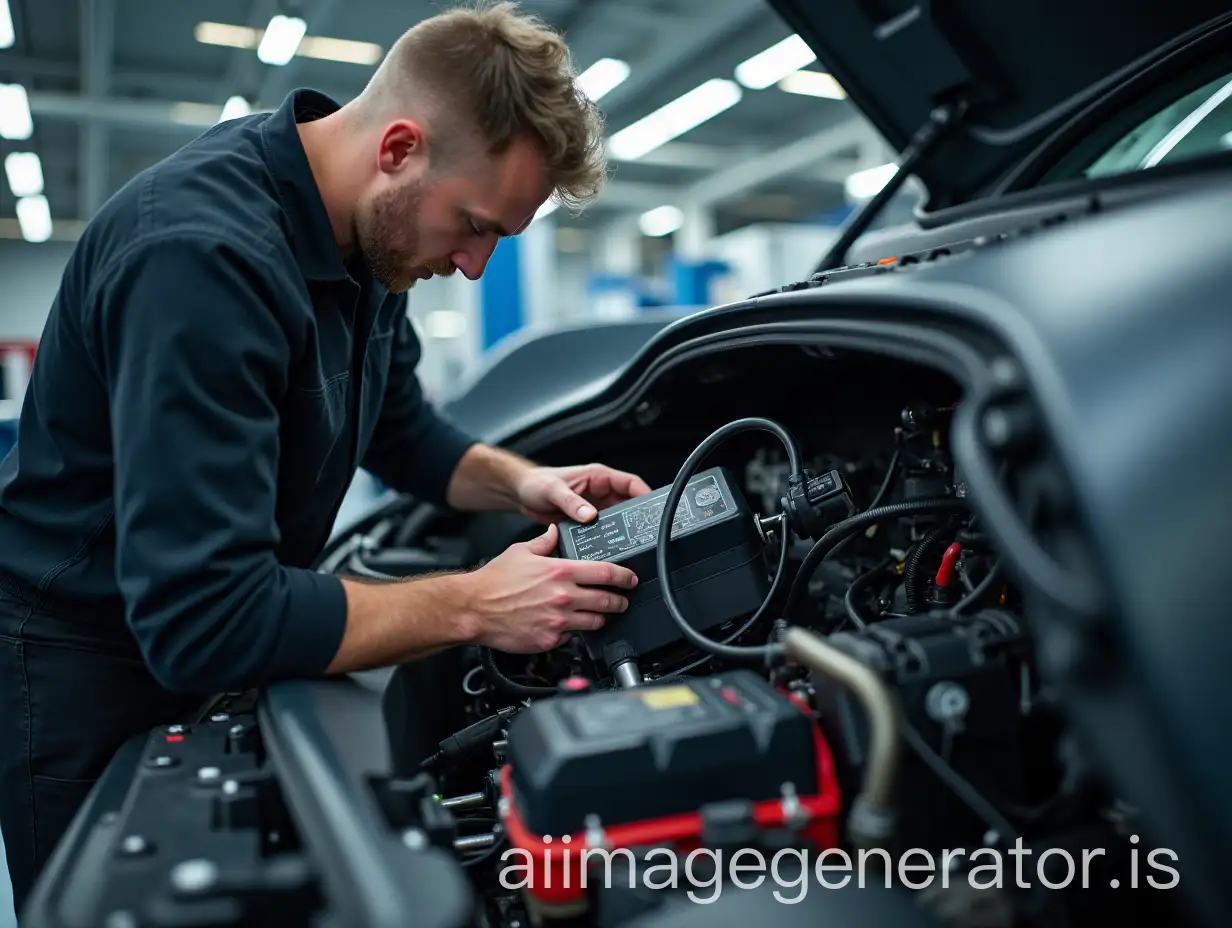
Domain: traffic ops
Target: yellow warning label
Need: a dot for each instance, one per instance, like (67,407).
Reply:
(669,697)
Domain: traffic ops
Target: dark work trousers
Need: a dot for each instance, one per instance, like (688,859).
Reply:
(70,696)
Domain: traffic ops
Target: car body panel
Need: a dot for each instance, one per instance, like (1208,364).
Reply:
(533,373)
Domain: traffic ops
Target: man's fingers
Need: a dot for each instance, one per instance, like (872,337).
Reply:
(586,621)
(599,601)
(605,481)
(600,573)
(634,485)
(544,544)
(569,502)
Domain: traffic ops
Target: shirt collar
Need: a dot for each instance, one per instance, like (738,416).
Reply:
(309,228)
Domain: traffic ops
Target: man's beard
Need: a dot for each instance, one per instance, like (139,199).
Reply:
(388,238)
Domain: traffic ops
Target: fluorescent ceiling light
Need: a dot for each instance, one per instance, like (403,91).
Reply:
(674,119)
(601,78)
(863,185)
(16,123)
(344,50)
(662,220)
(7,34)
(227,35)
(25,173)
(813,84)
(234,108)
(310,46)
(281,39)
(775,63)
(34,217)
(445,323)
(195,114)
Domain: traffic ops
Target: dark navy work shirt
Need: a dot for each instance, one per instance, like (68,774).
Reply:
(210,377)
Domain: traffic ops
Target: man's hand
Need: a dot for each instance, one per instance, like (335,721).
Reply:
(525,601)
(548,494)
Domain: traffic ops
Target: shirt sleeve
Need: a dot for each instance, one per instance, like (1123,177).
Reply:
(195,358)
(414,449)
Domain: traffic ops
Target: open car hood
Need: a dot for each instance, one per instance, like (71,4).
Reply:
(1020,66)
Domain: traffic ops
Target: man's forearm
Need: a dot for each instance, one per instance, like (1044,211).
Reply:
(486,478)
(394,623)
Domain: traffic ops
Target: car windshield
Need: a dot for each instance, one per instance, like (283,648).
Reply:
(1197,124)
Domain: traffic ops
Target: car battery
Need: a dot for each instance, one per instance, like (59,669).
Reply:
(654,766)
(715,557)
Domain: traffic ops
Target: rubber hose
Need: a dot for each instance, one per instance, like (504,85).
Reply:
(857,587)
(911,574)
(848,527)
(507,686)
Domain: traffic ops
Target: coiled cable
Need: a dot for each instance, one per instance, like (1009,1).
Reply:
(826,544)
(505,685)
(667,520)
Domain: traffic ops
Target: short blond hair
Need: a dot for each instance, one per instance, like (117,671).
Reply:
(505,73)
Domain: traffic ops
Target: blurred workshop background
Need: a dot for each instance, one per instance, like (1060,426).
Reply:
(734,157)
(734,154)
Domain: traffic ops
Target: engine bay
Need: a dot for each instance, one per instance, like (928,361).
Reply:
(836,707)
(872,689)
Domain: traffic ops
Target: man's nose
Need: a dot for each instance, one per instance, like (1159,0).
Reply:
(472,259)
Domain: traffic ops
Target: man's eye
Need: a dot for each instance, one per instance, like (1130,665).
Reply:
(474,228)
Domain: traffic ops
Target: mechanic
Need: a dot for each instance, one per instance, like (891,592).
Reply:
(229,343)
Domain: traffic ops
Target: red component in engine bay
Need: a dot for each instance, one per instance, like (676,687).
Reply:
(654,767)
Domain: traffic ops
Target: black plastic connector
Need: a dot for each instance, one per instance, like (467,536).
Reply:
(473,738)
(813,502)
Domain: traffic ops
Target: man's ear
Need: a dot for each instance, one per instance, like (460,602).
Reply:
(402,144)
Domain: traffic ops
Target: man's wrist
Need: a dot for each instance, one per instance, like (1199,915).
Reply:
(487,478)
(458,593)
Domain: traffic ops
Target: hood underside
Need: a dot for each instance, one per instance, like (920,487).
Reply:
(1020,68)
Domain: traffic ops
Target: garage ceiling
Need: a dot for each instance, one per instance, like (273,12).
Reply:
(116,85)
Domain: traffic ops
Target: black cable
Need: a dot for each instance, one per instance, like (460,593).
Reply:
(857,586)
(887,482)
(668,518)
(979,590)
(507,686)
(750,622)
(848,527)
(959,786)
(485,854)
(911,573)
